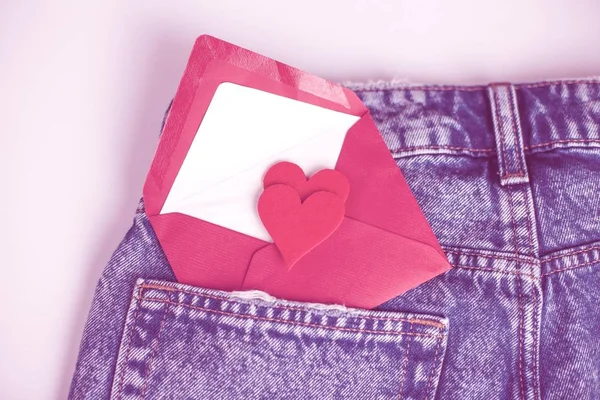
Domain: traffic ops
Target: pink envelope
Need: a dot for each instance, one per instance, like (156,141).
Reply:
(383,247)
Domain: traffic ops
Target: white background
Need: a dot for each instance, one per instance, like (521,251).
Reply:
(83,87)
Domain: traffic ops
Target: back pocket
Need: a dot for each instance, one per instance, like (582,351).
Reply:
(182,342)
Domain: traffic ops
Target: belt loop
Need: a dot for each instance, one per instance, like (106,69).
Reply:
(509,137)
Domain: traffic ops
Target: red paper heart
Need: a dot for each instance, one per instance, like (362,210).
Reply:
(297,227)
(290,174)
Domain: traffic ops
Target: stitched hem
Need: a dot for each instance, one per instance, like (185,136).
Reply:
(283,307)
(285,321)
(433,368)
(497,271)
(153,353)
(271,309)
(476,253)
(405,366)
(585,256)
(121,365)
(577,266)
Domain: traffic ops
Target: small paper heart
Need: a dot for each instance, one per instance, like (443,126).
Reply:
(297,227)
(290,174)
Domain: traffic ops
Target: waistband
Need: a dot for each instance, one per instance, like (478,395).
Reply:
(474,120)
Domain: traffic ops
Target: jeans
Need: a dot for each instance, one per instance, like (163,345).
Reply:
(507,175)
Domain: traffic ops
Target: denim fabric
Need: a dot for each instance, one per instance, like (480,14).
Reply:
(212,345)
(508,177)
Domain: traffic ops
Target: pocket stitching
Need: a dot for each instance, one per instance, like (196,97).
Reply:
(405,367)
(129,327)
(435,361)
(154,351)
(231,314)
(224,298)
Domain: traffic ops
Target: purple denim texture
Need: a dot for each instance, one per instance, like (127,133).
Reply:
(508,177)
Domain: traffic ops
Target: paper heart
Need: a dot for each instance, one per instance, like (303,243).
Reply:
(287,173)
(297,227)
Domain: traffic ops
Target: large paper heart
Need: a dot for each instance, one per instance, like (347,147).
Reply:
(295,226)
(287,173)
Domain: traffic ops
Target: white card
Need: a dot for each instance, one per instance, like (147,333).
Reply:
(244,132)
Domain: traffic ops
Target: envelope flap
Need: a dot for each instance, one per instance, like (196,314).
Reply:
(237,65)
(384,199)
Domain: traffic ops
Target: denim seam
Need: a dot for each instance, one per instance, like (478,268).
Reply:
(531,149)
(443,147)
(595,247)
(533,244)
(446,147)
(129,327)
(224,298)
(583,257)
(523,274)
(405,366)
(576,266)
(519,294)
(514,273)
(535,251)
(433,151)
(521,326)
(523,260)
(562,141)
(434,367)
(492,257)
(154,352)
(536,390)
(308,324)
